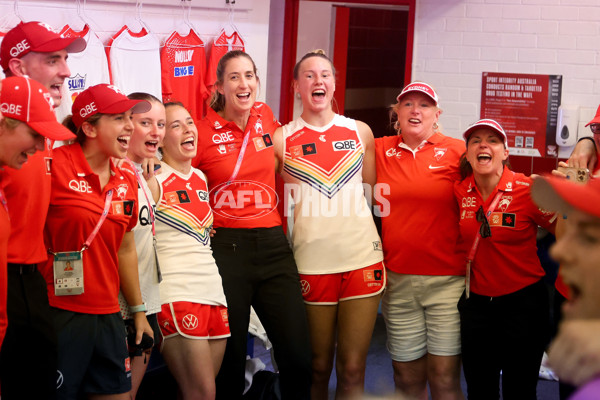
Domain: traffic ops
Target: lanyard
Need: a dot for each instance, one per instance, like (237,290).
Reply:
(139,181)
(476,241)
(238,164)
(88,241)
(3,201)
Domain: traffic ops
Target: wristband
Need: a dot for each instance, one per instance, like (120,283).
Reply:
(139,308)
(589,138)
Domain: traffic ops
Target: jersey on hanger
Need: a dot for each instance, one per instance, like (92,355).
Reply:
(88,68)
(221,45)
(183,65)
(134,60)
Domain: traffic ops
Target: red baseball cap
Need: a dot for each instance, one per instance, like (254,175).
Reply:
(487,123)
(35,36)
(104,99)
(419,87)
(596,119)
(28,101)
(553,193)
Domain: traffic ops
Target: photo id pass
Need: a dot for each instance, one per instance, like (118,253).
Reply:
(68,273)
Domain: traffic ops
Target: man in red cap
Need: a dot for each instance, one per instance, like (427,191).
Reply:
(31,49)
(575,353)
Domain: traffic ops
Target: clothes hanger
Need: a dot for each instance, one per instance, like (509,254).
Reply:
(7,21)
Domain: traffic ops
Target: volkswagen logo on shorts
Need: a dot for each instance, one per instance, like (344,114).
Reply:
(305,286)
(59,379)
(190,321)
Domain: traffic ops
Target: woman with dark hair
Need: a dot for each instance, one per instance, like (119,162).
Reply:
(94,201)
(235,151)
(504,311)
(325,159)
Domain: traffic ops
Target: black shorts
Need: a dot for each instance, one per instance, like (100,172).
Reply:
(92,354)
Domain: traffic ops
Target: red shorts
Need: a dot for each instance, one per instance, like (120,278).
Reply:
(333,288)
(193,320)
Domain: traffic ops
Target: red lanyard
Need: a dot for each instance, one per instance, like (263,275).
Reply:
(473,250)
(107,201)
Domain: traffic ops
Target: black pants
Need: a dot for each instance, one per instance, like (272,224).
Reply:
(28,356)
(506,333)
(257,267)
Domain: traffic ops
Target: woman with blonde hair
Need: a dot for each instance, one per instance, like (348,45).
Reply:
(416,171)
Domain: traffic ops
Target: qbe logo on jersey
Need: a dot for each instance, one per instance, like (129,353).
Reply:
(344,145)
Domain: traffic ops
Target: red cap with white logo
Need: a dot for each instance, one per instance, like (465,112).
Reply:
(104,99)
(35,36)
(487,123)
(419,87)
(28,101)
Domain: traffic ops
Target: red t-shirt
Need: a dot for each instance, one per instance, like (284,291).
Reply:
(28,190)
(420,220)
(250,200)
(76,205)
(507,261)
(183,65)
(4,233)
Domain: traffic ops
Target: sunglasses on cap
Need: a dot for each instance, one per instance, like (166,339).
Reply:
(595,128)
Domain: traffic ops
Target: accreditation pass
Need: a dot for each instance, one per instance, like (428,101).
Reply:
(68,273)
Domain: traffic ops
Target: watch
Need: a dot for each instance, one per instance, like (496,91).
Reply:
(139,308)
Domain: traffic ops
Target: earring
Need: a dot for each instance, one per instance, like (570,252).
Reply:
(435,126)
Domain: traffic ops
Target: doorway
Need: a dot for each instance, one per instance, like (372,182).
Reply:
(370,44)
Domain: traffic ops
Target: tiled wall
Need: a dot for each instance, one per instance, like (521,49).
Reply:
(456,40)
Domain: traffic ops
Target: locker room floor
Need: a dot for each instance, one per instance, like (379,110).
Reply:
(158,384)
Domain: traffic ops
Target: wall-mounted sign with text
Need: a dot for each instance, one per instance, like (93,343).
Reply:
(526,105)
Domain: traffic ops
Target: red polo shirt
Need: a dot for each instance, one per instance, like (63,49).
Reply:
(250,201)
(420,221)
(28,190)
(507,261)
(76,204)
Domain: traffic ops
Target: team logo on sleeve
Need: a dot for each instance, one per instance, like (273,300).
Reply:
(377,246)
(303,150)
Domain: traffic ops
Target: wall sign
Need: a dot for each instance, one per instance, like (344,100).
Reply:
(526,105)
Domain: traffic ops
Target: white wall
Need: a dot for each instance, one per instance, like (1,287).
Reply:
(251,17)
(456,40)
